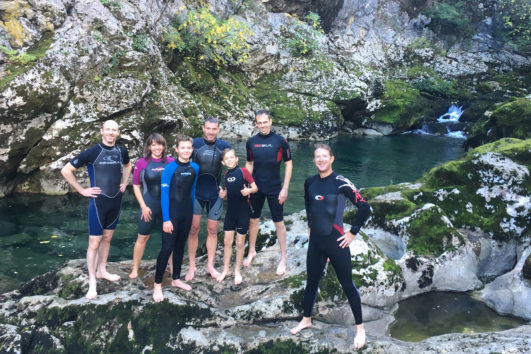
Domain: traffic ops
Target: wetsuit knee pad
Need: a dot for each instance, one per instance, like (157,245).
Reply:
(104,213)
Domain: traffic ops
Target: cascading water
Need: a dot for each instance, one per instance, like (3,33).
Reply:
(453,115)
(447,124)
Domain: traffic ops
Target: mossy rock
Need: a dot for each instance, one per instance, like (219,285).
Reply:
(15,240)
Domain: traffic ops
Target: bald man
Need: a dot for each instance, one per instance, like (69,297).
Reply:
(109,170)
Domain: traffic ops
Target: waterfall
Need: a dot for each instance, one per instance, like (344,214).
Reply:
(447,125)
(453,115)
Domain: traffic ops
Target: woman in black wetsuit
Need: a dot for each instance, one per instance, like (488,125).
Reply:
(325,195)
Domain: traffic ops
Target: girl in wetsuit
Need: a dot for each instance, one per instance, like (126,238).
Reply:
(324,197)
(147,173)
(239,185)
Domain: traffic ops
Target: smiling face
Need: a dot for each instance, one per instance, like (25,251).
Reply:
(184,150)
(230,160)
(323,159)
(210,131)
(263,122)
(110,132)
(156,150)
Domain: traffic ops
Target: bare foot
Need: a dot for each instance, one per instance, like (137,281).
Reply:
(158,296)
(247,261)
(306,322)
(281,269)
(108,276)
(237,279)
(134,274)
(221,276)
(190,274)
(92,293)
(178,283)
(213,272)
(359,340)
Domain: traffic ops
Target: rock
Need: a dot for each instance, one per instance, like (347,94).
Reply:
(15,240)
(496,258)
(526,269)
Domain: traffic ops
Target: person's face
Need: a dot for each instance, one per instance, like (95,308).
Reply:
(184,150)
(230,160)
(322,160)
(263,123)
(109,133)
(156,149)
(210,130)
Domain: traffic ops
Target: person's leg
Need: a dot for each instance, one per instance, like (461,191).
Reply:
(103,254)
(168,241)
(138,252)
(92,259)
(257,202)
(240,250)
(211,246)
(181,231)
(193,242)
(227,254)
(277,214)
(315,264)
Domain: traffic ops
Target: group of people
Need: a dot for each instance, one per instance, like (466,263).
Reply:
(178,190)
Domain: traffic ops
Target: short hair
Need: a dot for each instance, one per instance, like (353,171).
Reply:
(323,146)
(261,112)
(226,151)
(211,119)
(154,138)
(183,138)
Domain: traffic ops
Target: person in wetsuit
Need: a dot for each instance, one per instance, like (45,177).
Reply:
(207,154)
(265,152)
(324,197)
(109,170)
(239,184)
(177,192)
(146,175)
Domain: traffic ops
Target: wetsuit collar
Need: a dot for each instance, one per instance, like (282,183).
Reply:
(182,163)
(209,142)
(325,177)
(157,160)
(233,169)
(271,132)
(107,147)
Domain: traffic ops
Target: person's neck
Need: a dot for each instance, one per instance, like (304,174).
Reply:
(182,160)
(325,173)
(104,143)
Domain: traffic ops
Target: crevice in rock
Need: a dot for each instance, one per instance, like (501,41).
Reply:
(353,110)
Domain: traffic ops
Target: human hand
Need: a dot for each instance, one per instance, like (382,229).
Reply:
(167,227)
(222,193)
(146,214)
(122,187)
(346,239)
(91,192)
(282,196)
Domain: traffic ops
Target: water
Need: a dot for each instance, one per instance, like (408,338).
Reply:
(437,313)
(447,125)
(38,233)
(453,115)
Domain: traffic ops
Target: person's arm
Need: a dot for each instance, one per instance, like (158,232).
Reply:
(68,173)
(146,211)
(307,206)
(125,176)
(165,182)
(246,190)
(349,190)
(288,168)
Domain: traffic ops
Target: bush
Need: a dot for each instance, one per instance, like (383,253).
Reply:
(449,19)
(516,19)
(303,37)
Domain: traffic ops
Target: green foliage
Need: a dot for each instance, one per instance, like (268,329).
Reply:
(303,37)
(140,42)
(516,18)
(403,104)
(18,58)
(113,3)
(450,19)
(202,35)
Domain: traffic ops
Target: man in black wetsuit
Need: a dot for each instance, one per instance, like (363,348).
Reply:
(109,169)
(265,151)
(207,154)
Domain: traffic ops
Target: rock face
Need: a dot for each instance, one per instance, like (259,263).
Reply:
(380,67)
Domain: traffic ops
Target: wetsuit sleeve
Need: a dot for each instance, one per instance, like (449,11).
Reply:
(125,155)
(347,188)
(307,202)
(286,152)
(247,176)
(87,156)
(165,181)
(249,151)
(139,166)
(196,168)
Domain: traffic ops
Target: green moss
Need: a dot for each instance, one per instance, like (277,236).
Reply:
(70,288)
(391,266)
(295,281)
(279,346)
(403,105)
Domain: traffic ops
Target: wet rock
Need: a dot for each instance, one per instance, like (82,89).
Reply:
(526,269)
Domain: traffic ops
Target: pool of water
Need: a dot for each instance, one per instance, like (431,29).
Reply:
(38,233)
(437,313)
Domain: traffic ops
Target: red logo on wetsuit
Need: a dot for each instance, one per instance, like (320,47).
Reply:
(262,145)
(319,197)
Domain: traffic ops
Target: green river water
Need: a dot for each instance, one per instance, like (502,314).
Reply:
(38,233)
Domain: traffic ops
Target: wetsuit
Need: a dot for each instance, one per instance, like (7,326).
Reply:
(208,156)
(147,173)
(178,184)
(238,212)
(104,165)
(324,199)
(266,152)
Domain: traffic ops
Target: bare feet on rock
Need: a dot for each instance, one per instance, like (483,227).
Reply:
(190,274)
(221,276)
(237,279)
(306,322)
(247,261)
(359,339)
(91,293)
(133,274)
(281,269)
(107,276)
(178,283)
(158,296)
(213,272)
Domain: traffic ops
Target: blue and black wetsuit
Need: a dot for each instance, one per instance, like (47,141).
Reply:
(104,165)
(266,152)
(147,173)
(238,208)
(324,199)
(178,184)
(208,156)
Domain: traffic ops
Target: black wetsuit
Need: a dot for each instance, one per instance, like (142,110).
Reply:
(178,183)
(104,165)
(238,212)
(266,152)
(324,199)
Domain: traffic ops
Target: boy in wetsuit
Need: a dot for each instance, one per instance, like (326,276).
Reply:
(177,186)
(237,192)
(109,169)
